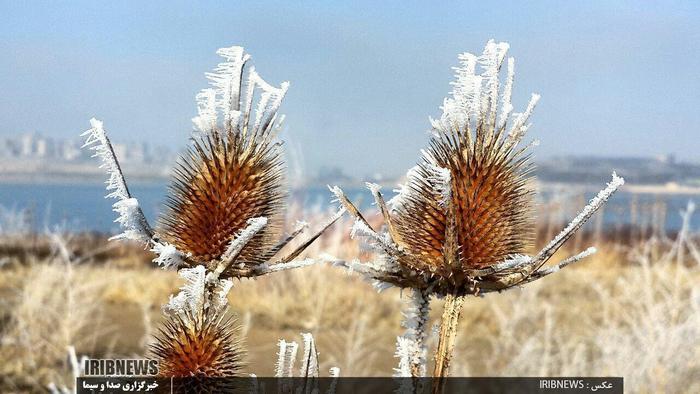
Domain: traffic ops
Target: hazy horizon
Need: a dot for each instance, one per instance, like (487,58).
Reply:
(615,79)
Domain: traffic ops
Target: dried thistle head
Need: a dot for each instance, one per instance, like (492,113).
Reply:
(198,346)
(481,193)
(234,170)
(223,216)
(195,350)
(196,339)
(464,218)
(226,178)
(225,208)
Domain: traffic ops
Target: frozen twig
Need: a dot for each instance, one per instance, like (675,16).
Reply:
(130,215)
(580,219)
(411,347)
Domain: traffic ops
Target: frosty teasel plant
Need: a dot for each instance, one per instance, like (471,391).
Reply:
(462,222)
(223,218)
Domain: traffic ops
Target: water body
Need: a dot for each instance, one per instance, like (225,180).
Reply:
(82,207)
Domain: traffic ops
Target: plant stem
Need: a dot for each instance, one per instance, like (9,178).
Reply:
(412,348)
(446,341)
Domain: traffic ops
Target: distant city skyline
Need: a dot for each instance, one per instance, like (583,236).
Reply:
(36,145)
(616,79)
(33,156)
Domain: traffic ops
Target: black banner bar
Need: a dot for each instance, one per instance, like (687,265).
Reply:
(543,385)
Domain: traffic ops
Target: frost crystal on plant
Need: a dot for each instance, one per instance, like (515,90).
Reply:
(243,237)
(580,219)
(220,301)
(411,348)
(286,355)
(309,367)
(463,220)
(191,296)
(167,256)
(131,218)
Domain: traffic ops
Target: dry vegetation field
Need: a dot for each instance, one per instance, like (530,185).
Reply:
(631,310)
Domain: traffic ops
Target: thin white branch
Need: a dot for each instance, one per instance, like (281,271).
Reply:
(270,101)
(289,257)
(286,355)
(506,105)
(206,120)
(557,267)
(220,299)
(264,269)
(380,241)
(578,221)
(281,358)
(519,127)
(404,352)
(510,263)
(371,269)
(491,61)
(130,215)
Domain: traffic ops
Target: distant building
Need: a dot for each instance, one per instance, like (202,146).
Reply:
(26,142)
(37,147)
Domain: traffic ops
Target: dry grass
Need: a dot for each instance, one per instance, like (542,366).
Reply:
(631,311)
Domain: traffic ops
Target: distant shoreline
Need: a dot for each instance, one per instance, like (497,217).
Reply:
(98,179)
(669,189)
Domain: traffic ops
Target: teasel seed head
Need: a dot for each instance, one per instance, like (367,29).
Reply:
(484,193)
(223,181)
(198,347)
(225,207)
(464,219)
(233,171)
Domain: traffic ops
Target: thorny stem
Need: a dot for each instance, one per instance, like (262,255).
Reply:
(446,341)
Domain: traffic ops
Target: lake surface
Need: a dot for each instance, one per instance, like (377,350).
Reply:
(82,207)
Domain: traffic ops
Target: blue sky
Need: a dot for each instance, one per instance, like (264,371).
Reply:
(614,79)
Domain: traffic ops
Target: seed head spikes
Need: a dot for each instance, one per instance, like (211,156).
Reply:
(223,216)
(463,221)
(225,202)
